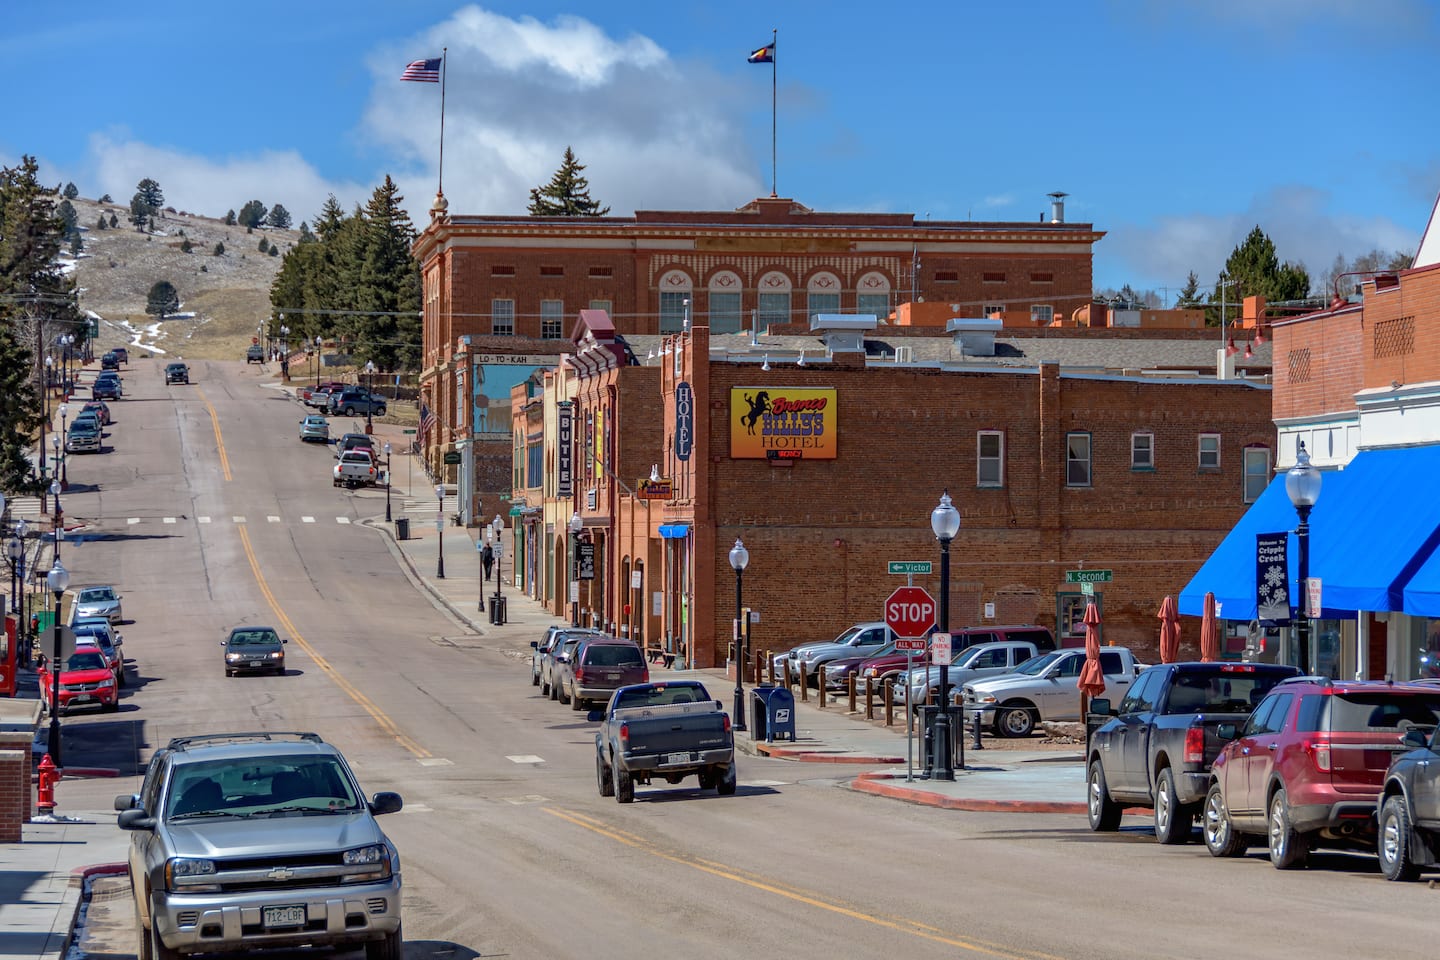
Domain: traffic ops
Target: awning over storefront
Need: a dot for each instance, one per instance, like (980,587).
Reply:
(1422,593)
(674,531)
(1230,571)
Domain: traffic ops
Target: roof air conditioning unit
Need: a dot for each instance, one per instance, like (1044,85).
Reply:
(905,354)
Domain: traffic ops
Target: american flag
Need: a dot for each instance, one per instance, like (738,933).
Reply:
(427,419)
(424,71)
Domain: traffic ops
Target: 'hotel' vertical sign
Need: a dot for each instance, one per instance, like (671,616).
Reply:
(565,477)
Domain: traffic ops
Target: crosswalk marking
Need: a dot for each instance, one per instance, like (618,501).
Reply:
(133,520)
(169,520)
(203,519)
(526,758)
(342,519)
(307,519)
(238,519)
(273,519)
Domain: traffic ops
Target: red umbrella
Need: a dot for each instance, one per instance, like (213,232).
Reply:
(1169,631)
(1209,631)
(1092,678)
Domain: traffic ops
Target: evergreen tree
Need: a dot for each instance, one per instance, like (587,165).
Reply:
(76,244)
(68,217)
(229,220)
(162,300)
(264,245)
(1189,297)
(274,250)
(150,190)
(71,191)
(114,220)
(101,223)
(105,198)
(219,249)
(186,246)
(252,214)
(305,235)
(1255,268)
(567,194)
(139,212)
(279,217)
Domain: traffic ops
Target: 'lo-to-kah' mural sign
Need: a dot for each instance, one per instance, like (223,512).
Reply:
(783,423)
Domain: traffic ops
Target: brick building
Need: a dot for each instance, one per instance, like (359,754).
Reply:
(1054,465)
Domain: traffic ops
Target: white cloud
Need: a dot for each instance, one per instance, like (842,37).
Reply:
(1297,218)
(652,133)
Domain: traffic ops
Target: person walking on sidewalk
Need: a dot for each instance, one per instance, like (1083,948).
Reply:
(487,557)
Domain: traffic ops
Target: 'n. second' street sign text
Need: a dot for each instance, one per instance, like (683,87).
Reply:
(908,566)
(1089,576)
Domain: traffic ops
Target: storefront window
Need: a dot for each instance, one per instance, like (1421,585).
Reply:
(1070,617)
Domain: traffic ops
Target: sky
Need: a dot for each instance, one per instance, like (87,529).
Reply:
(1176,126)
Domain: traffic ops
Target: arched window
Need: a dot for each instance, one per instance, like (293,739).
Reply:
(724,296)
(676,288)
(822,294)
(774,299)
(872,295)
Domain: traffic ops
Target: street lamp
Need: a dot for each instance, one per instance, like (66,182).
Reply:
(59,579)
(59,518)
(740,559)
(387,482)
(64,460)
(440,532)
(945,522)
(369,394)
(1302,484)
(498,525)
(577,524)
(317,361)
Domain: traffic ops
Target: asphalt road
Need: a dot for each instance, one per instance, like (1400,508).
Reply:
(508,850)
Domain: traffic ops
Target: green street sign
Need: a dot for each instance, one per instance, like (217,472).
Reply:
(908,566)
(1087,588)
(1089,576)
(410,430)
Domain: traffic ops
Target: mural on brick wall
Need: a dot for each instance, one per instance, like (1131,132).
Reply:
(782,423)
(491,394)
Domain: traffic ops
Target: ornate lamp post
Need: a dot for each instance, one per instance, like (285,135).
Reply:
(370,395)
(498,525)
(577,524)
(1302,484)
(945,522)
(439,532)
(317,361)
(387,482)
(64,458)
(58,580)
(739,560)
(59,518)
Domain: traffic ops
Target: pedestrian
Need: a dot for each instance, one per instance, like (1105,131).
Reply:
(487,557)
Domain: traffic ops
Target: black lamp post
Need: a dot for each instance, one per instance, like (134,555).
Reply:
(59,580)
(577,524)
(16,551)
(439,532)
(369,395)
(317,361)
(498,525)
(739,560)
(1302,484)
(945,522)
(64,458)
(59,518)
(387,482)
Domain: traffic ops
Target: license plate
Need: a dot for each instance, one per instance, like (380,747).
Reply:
(288,916)
(257,663)
(677,758)
(81,698)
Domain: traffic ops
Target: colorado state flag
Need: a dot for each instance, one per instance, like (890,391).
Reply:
(765,54)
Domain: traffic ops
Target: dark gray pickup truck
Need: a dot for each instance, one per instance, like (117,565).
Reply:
(664,731)
(1156,749)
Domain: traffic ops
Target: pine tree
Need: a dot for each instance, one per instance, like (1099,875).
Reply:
(1189,296)
(114,220)
(252,214)
(567,194)
(1255,268)
(274,250)
(162,300)
(150,190)
(229,220)
(105,198)
(219,249)
(139,212)
(76,244)
(71,191)
(101,223)
(279,217)
(305,235)
(69,217)
(264,245)
(186,246)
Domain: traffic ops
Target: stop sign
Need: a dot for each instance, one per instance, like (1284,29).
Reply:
(910,612)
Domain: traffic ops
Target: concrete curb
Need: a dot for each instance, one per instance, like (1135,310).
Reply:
(879,784)
(437,599)
(801,754)
(80,874)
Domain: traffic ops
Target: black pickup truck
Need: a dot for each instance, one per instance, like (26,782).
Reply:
(1156,749)
(665,731)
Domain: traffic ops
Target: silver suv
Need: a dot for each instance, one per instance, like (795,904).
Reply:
(244,841)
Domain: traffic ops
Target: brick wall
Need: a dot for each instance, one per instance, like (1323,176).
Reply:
(1318,363)
(14,793)
(1401,340)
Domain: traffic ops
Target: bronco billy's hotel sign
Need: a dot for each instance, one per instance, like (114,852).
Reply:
(782,423)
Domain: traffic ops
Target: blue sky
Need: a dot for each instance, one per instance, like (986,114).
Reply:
(1175,125)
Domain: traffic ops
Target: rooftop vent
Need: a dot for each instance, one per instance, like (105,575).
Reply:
(842,332)
(1057,206)
(974,336)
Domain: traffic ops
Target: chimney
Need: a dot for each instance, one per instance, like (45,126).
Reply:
(1057,206)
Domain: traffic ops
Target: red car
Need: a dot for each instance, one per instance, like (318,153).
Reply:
(1308,765)
(101,409)
(86,680)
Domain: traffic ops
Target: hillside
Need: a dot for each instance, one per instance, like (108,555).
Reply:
(228,295)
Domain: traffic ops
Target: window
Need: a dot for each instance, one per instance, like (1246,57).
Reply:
(534,451)
(502,317)
(774,309)
(1042,313)
(1142,451)
(947,276)
(552,319)
(822,303)
(1077,459)
(992,277)
(552,271)
(1141,698)
(1209,451)
(601,273)
(502,271)
(1257,472)
(1270,716)
(873,304)
(996,310)
(1042,278)
(674,310)
(990,458)
(600,305)
(724,312)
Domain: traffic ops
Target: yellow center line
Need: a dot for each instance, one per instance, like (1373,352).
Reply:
(219,440)
(913,928)
(354,693)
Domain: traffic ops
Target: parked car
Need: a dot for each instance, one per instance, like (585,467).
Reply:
(100,408)
(254,650)
(315,427)
(804,661)
(665,731)
(540,649)
(1043,639)
(254,353)
(177,373)
(837,673)
(560,654)
(97,631)
(106,387)
(99,601)
(319,396)
(355,469)
(110,361)
(354,402)
(599,667)
(1307,767)
(354,441)
(1044,688)
(972,663)
(1156,750)
(1408,839)
(269,828)
(86,680)
(84,436)
(122,354)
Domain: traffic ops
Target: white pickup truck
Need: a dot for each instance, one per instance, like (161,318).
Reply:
(355,469)
(1045,688)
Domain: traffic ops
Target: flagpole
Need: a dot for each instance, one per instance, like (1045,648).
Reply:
(774,69)
(440,186)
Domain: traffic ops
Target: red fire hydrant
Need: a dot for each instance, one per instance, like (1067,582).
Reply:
(49,775)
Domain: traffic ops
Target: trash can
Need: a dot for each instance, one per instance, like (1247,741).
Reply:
(402,528)
(929,713)
(774,713)
(497,610)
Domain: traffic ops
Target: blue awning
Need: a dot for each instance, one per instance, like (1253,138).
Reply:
(674,531)
(1422,593)
(1230,571)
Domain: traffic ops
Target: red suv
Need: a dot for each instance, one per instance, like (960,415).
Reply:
(1307,767)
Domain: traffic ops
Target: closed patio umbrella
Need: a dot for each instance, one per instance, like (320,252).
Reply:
(1209,631)
(1092,678)
(1169,631)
